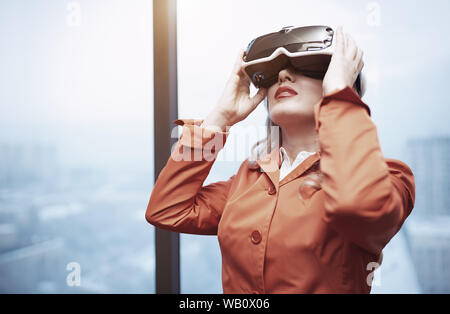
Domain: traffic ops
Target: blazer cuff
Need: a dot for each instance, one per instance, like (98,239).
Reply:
(347,94)
(197,137)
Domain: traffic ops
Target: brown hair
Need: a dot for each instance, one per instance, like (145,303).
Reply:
(311,179)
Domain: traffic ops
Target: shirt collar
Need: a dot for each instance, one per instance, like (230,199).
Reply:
(302,155)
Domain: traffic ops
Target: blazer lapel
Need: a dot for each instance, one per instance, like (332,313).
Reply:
(301,168)
(270,164)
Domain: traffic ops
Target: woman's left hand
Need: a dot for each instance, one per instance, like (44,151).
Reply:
(345,65)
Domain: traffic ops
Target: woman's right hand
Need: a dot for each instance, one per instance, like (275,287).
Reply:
(235,104)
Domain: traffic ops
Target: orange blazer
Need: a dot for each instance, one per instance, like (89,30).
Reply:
(272,241)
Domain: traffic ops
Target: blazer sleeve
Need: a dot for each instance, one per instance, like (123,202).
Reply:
(367,196)
(179,202)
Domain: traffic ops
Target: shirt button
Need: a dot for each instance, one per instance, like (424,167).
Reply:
(256,237)
(271,190)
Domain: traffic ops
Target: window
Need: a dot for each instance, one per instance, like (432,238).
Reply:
(76,166)
(399,84)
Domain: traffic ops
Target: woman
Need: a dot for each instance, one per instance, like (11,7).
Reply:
(315,225)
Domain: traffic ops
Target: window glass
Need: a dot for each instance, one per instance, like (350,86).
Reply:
(406,89)
(76,160)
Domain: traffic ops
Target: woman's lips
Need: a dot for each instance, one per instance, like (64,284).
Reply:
(285,91)
(285,95)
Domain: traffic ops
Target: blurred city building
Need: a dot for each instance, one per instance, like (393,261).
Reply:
(50,217)
(427,229)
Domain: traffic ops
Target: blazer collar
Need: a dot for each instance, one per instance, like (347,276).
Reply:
(270,163)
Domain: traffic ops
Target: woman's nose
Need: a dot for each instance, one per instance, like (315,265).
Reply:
(285,74)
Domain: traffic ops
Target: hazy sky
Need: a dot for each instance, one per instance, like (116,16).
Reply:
(79,74)
(86,85)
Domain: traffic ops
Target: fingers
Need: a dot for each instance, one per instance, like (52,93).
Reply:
(340,43)
(352,51)
(356,54)
(347,40)
(238,63)
(345,44)
(359,54)
(256,100)
(238,75)
(351,48)
(360,63)
(244,77)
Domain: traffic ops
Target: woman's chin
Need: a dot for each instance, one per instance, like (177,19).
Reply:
(289,110)
(286,114)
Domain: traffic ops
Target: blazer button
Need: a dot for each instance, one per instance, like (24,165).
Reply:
(271,190)
(256,237)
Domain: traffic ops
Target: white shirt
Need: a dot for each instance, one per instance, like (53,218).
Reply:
(287,166)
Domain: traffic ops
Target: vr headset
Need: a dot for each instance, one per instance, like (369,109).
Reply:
(307,49)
